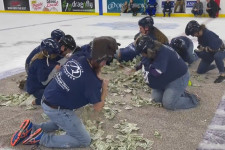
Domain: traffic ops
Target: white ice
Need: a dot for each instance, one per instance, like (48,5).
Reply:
(21,33)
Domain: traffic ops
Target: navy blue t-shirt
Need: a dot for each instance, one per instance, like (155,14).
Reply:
(169,63)
(210,39)
(38,72)
(75,86)
(85,51)
(31,55)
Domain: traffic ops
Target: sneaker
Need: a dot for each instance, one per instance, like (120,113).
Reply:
(220,79)
(34,138)
(22,133)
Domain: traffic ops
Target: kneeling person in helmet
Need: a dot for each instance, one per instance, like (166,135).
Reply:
(77,84)
(40,67)
(211,48)
(146,28)
(185,48)
(168,85)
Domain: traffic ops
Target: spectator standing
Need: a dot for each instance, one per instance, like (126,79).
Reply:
(179,3)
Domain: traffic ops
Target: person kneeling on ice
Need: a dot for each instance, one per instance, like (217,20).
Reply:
(185,48)
(168,84)
(77,84)
(210,48)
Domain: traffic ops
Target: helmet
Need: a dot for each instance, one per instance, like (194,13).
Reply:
(177,43)
(57,34)
(68,42)
(103,48)
(146,22)
(50,46)
(192,27)
(144,43)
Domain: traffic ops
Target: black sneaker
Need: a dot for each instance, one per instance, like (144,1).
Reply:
(220,79)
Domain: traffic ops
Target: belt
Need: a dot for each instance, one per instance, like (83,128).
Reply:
(54,106)
(48,104)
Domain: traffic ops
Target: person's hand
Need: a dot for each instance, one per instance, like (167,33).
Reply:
(57,67)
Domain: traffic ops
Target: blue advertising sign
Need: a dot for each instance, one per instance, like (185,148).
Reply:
(190,4)
(165,1)
(114,6)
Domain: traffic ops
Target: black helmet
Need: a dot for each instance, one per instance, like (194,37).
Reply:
(50,46)
(57,34)
(177,43)
(146,22)
(68,42)
(144,43)
(192,27)
(103,48)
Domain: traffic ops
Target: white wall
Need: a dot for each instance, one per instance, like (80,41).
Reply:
(1,5)
(97,6)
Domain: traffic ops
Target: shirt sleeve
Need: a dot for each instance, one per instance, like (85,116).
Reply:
(93,91)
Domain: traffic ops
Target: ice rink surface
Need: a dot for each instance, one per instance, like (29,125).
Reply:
(21,33)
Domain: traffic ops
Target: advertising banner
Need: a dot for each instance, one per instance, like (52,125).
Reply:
(78,5)
(190,4)
(22,5)
(45,5)
(114,6)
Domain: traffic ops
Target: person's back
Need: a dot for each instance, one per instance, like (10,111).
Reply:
(212,8)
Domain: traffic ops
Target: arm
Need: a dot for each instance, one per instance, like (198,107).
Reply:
(98,106)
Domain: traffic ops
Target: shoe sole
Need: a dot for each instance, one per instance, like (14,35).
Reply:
(23,126)
(31,140)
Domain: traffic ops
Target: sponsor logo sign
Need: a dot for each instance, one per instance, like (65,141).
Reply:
(78,5)
(45,5)
(190,4)
(114,6)
(21,5)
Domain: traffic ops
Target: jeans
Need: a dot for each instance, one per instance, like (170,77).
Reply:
(174,97)
(208,58)
(198,12)
(76,134)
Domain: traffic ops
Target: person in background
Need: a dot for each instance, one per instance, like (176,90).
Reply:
(124,7)
(185,48)
(210,48)
(212,8)
(167,8)
(168,85)
(147,27)
(197,9)
(133,8)
(180,4)
(78,83)
(151,7)
(55,35)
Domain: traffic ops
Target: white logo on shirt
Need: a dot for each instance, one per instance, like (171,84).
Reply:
(72,69)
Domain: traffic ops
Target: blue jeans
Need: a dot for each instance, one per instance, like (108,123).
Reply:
(174,97)
(76,134)
(208,58)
